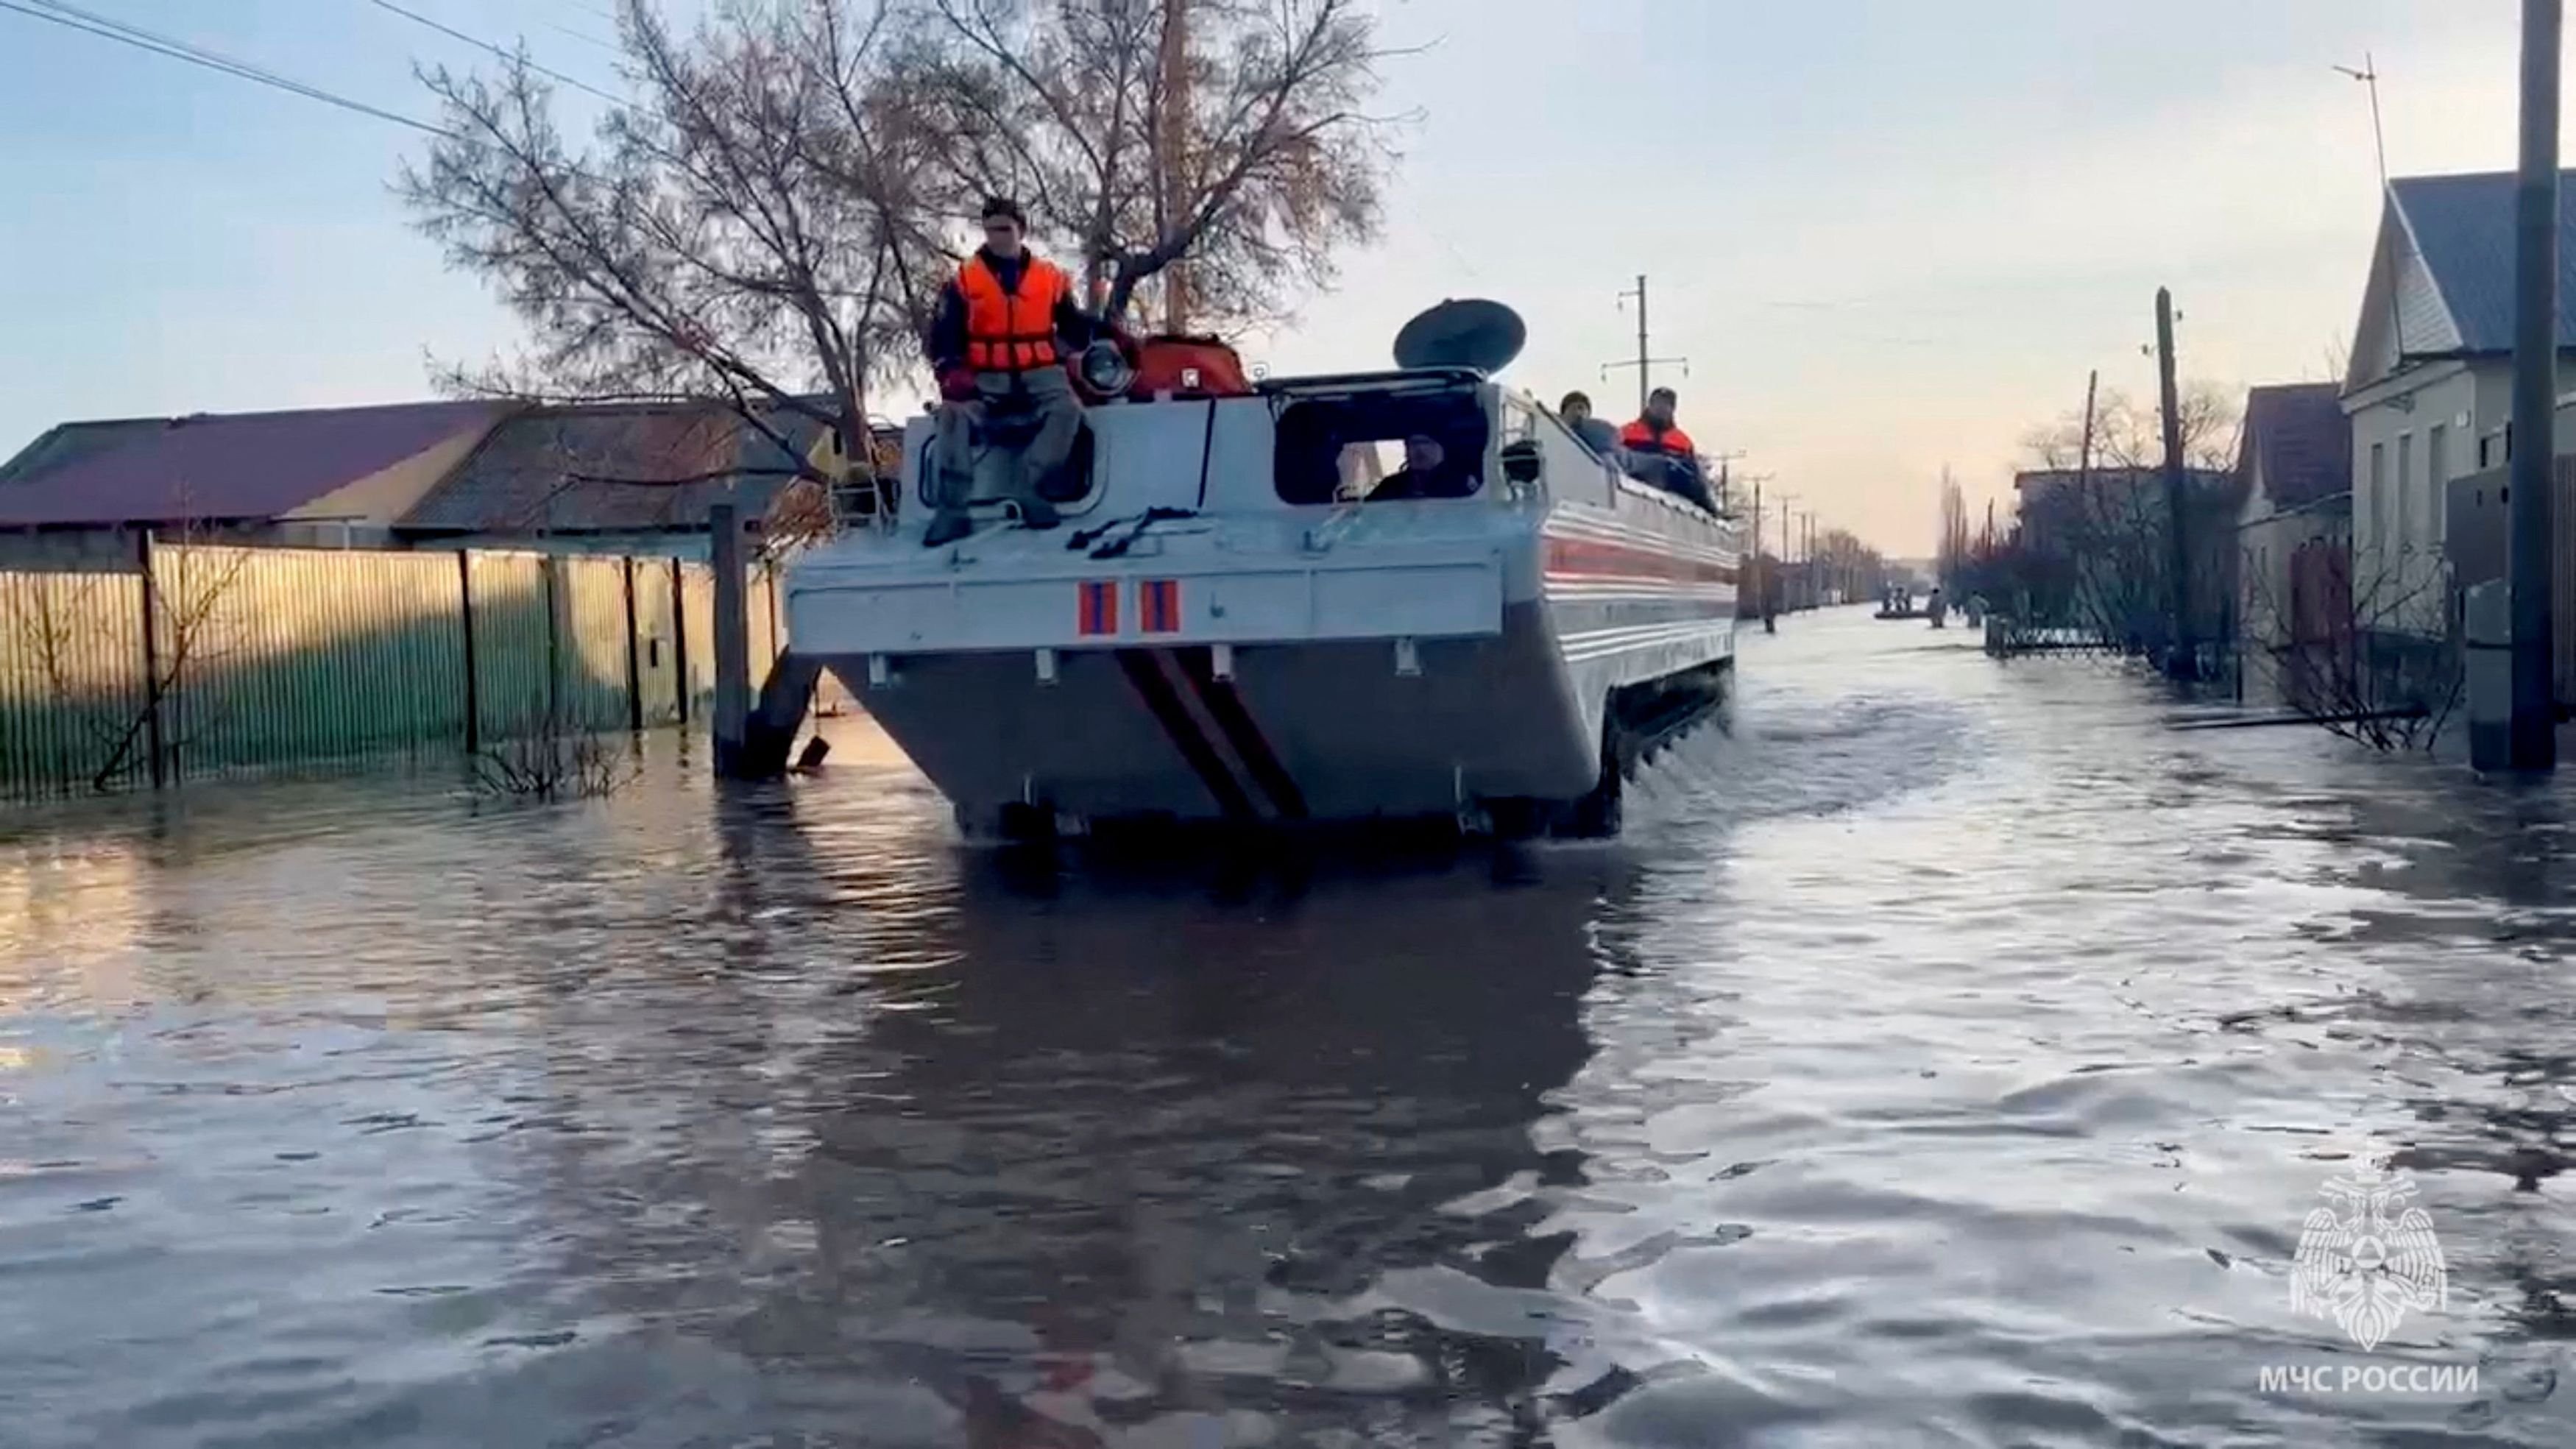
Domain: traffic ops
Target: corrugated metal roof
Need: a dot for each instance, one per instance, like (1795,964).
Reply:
(2463,228)
(232,466)
(68,443)
(607,469)
(2300,433)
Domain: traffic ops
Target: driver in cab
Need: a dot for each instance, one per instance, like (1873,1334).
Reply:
(1427,473)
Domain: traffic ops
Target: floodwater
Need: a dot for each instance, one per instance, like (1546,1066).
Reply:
(1951,1054)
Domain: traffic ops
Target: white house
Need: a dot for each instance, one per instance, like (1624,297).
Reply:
(2430,390)
(2294,530)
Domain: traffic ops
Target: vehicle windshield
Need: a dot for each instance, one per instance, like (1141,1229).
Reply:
(1380,446)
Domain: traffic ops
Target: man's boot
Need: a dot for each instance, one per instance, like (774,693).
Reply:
(1037,513)
(946,527)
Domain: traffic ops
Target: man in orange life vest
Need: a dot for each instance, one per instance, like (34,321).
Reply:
(999,340)
(1663,454)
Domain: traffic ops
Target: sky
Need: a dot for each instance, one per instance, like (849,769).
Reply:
(1888,236)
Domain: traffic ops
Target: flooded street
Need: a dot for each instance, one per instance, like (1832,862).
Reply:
(1950,1055)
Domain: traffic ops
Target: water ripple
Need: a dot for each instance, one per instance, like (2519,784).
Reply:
(1950,1054)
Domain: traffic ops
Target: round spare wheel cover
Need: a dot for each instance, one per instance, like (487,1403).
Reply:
(1462,332)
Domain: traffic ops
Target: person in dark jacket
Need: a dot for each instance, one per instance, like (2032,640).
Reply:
(1427,473)
(1005,324)
(1596,433)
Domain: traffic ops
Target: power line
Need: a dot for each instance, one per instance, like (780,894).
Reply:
(73,18)
(104,30)
(515,59)
(584,36)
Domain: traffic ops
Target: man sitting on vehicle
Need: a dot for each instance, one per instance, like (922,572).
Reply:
(1426,474)
(1596,433)
(1659,452)
(998,345)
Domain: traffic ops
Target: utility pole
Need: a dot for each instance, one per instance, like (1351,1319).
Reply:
(1759,577)
(1761,598)
(1171,142)
(1815,594)
(2532,731)
(2182,660)
(1820,566)
(1786,512)
(1643,362)
(1723,480)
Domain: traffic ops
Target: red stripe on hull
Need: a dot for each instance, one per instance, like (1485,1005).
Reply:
(1594,559)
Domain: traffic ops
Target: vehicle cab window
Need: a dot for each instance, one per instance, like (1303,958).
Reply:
(1377,446)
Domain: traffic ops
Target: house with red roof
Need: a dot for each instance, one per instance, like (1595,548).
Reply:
(635,479)
(321,477)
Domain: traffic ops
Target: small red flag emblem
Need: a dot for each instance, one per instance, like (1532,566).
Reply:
(1158,606)
(1098,610)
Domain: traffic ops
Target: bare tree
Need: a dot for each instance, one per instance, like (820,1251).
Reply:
(1953,548)
(555,760)
(750,227)
(2090,562)
(2336,358)
(191,580)
(2347,646)
(2127,434)
(69,625)
(60,632)
(1234,134)
(1850,565)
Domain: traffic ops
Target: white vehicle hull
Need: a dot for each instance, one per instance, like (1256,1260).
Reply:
(1492,659)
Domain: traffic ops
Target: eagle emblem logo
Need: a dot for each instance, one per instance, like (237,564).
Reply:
(2370,1259)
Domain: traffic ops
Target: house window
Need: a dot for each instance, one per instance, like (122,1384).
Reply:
(2405,502)
(2378,491)
(2437,478)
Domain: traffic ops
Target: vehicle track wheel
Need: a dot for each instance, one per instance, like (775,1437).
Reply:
(1597,814)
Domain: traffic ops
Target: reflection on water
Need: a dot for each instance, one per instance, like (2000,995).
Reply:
(1950,1055)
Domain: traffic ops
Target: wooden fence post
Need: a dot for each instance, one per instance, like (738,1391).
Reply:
(473,675)
(634,663)
(680,639)
(144,562)
(550,568)
(733,636)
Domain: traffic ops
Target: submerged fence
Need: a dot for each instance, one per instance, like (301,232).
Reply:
(209,661)
(2477,534)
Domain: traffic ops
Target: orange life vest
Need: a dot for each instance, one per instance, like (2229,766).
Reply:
(1640,437)
(1011,331)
